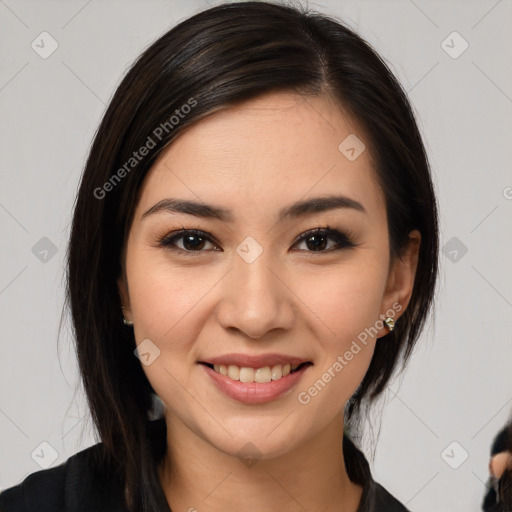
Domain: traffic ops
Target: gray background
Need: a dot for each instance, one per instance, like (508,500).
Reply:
(458,387)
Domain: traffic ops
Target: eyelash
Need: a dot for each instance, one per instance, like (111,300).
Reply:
(342,240)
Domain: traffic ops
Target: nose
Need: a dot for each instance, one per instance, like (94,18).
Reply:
(256,298)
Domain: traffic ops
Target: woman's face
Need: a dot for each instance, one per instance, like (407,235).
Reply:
(247,286)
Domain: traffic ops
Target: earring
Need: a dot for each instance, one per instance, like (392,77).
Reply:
(126,322)
(390,323)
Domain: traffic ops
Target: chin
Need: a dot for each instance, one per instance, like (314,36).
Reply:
(257,442)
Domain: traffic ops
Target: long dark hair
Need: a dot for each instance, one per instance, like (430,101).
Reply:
(221,56)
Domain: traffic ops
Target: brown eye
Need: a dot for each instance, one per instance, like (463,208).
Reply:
(190,241)
(318,239)
(187,240)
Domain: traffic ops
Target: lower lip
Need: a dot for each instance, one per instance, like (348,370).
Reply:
(255,392)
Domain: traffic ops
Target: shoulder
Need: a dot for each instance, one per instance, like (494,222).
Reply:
(386,502)
(73,486)
(39,491)
(375,498)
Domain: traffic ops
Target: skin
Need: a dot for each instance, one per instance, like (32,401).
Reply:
(254,159)
(499,463)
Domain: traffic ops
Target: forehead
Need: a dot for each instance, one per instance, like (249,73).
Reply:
(274,149)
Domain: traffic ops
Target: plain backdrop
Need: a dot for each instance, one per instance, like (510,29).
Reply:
(439,419)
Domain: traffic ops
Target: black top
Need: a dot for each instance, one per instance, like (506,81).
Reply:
(77,485)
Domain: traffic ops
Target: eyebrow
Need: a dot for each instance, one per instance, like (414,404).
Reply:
(298,209)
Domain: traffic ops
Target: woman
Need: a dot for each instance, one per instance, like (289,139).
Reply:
(255,243)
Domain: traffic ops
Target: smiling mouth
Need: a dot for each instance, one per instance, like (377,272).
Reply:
(260,375)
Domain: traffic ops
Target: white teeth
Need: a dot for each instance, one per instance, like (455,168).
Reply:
(277,372)
(233,372)
(261,375)
(246,375)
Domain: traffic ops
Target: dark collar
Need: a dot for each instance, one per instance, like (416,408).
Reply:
(357,466)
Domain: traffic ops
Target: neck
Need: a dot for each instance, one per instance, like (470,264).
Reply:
(313,477)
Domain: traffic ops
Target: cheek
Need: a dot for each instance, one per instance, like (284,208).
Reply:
(347,303)
(164,299)
(165,304)
(346,300)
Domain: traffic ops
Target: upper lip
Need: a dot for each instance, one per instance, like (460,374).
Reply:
(248,361)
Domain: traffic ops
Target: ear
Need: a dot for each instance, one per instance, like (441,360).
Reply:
(122,286)
(400,281)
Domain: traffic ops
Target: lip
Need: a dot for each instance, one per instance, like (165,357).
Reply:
(255,392)
(248,361)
